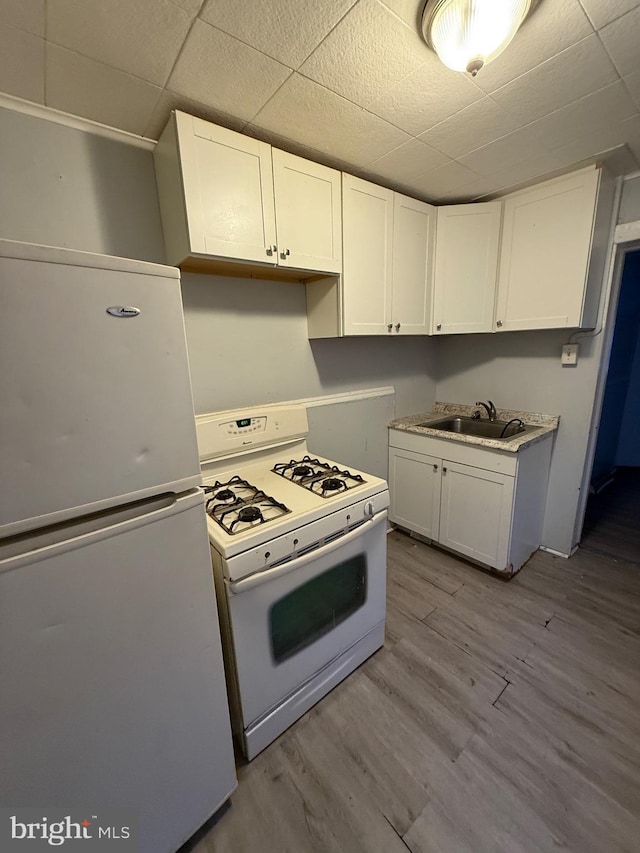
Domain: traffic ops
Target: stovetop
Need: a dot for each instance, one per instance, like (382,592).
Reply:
(262,504)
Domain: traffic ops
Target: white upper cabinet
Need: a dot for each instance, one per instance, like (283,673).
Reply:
(308,213)
(217,200)
(467,246)
(546,247)
(414,224)
(367,221)
(388,259)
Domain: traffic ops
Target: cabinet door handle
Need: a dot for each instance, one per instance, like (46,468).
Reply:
(439,326)
(498,323)
(435,467)
(284,254)
(444,470)
(397,327)
(271,250)
(389,327)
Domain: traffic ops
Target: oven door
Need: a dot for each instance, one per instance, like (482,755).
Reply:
(290,621)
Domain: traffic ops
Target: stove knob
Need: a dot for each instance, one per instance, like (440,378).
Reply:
(369,508)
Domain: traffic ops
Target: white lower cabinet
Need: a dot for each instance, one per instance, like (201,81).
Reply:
(485,504)
(414,483)
(475,512)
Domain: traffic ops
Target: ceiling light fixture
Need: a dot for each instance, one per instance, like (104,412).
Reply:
(467,34)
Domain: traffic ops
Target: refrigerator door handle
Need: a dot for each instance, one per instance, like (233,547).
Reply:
(45,542)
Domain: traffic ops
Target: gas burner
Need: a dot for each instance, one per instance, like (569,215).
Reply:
(301,471)
(249,513)
(318,477)
(333,484)
(238,506)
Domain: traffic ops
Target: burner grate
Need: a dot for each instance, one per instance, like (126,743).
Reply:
(318,477)
(238,506)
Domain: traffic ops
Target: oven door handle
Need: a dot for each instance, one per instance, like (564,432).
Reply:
(299,562)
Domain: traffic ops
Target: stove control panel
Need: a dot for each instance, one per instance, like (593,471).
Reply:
(244,426)
(223,434)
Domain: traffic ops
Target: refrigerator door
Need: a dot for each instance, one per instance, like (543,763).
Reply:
(96,405)
(113,691)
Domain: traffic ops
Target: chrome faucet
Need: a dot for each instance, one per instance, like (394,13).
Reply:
(491,409)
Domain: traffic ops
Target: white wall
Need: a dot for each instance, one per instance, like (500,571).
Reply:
(248,345)
(64,187)
(522,370)
(630,202)
(247,339)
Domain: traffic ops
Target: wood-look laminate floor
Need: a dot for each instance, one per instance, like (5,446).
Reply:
(499,716)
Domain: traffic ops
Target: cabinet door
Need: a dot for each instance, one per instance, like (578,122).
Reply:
(308,213)
(467,242)
(414,488)
(228,187)
(367,221)
(546,242)
(413,241)
(475,513)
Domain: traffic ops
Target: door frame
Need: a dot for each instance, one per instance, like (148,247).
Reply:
(625,239)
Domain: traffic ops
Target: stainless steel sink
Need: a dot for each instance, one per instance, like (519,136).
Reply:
(464,425)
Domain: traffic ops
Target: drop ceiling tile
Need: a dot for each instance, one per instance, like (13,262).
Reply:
(476,125)
(505,153)
(602,12)
(141,37)
(632,82)
(368,52)
(191,6)
(25,15)
(278,141)
(602,110)
(306,112)
(100,92)
(553,26)
(622,41)
(22,64)
(405,162)
(410,11)
(536,169)
(598,143)
(572,74)
(274,26)
(471,191)
(426,97)
(224,73)
(453,180)
(169,100)
(632,135)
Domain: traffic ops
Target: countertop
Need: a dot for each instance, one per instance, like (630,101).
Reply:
(543,425)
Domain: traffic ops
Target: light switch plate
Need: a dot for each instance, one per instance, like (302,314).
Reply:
(569,355)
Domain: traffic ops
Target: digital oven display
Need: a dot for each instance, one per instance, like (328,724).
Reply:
(244,422)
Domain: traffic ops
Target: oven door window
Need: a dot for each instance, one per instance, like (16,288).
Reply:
(315,608)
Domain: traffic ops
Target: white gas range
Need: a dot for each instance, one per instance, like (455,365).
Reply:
(298,545)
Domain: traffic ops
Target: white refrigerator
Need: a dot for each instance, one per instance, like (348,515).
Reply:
(112,690)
